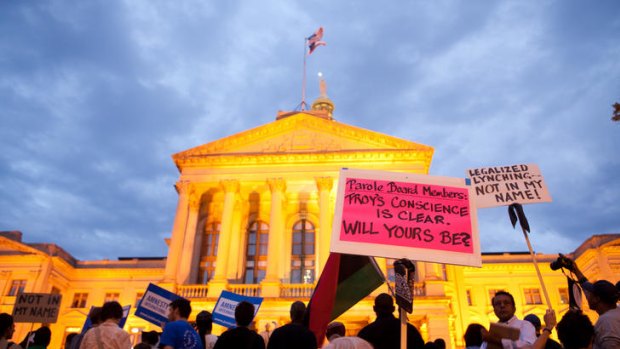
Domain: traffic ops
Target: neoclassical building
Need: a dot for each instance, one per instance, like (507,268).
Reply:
(254,216)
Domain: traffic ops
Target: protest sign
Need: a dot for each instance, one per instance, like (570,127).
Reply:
(224,311)
(36,307)
(153,306)
(506,185)
(400,215)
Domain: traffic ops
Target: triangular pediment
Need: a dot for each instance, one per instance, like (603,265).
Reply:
(301,133)
(12,247)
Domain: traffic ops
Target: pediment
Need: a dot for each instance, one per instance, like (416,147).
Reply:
(12,247)
(301,133)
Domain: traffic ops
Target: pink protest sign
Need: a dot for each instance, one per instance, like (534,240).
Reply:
(396,215)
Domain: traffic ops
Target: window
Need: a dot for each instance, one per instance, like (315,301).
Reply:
(139,296)
(564,297)
(469,299)
(17,286)
(256,252)
(111,296)
(532,296)
(302,255)
(209,251)
(79,300)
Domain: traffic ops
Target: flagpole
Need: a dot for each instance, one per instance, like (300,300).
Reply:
(303,83)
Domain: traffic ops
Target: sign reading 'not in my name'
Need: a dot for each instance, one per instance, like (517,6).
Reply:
(36,307)
(507,185)
(398,215)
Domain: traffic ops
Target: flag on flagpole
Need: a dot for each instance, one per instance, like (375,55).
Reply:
(345,280)
(314,40)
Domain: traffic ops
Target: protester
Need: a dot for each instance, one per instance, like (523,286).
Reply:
(384,332)
(269,327)
(535,320)
(95,320)
(473,336)
(294,334)
(241,336)
(575,330)
(504,308)
(602,297)
(108,335)
(151,338)
(69,339)
(430,345)
(348,343)
(7,329)
(142,346)
(335,330)
(40,339)
(204,322)
(178,333)
(440,343)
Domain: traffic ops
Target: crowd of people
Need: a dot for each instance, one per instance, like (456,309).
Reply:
(574,330)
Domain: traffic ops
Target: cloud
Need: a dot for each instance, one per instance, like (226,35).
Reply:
(96,97)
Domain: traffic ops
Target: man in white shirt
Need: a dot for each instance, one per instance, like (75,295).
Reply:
(504,308)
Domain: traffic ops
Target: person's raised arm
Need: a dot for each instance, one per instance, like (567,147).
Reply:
(550,323)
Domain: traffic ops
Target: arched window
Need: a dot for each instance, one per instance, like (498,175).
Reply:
(256,252)
(302,256)
(208,251)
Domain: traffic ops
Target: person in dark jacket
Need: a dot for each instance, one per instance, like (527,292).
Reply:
(241,337)
(295,334)
(384,332)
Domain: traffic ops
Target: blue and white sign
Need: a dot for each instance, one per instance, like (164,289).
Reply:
(153,306)
(224,311)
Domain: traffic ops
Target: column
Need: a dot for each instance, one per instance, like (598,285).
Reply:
(187,252)
(178,230)
(324,185)
(236,248)
(218,283)
(271,283)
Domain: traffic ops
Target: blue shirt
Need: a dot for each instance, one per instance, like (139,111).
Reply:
(180,335)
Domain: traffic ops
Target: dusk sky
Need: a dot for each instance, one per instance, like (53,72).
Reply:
(95,97)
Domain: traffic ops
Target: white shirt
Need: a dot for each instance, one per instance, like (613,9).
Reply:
(527,335)
(607,330)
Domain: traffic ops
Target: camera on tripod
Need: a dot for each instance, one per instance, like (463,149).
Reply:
(562,262)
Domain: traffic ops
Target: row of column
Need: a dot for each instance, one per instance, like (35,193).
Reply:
(184,248)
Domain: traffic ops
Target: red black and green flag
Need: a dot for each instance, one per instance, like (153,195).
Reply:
(345,280)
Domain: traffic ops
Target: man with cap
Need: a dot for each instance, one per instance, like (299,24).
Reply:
(602,297)
(384,332)
(535,320)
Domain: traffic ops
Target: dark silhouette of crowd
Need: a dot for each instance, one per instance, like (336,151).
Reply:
(574,331)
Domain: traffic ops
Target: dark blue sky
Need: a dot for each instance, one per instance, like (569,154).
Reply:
(95,96)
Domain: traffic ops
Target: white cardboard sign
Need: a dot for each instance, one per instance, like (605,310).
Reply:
(507,185)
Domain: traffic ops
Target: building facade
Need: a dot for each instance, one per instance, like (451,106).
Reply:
(254,217)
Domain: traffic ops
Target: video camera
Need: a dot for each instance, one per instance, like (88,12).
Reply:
(562,262)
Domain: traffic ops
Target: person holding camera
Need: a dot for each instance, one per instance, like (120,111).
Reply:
(602,297)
